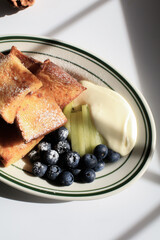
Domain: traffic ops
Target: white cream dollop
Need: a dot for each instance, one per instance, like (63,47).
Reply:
(112,115)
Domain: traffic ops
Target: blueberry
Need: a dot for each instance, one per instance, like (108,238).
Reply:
(50,157)
(100,165)
(88,175)
(100,151)
(48,138)
(66,178)
(34,155)
(51,138)
(71,159)
(44,146)
(62,133)
(75,171)
(112,156)
(39,169)
(61,161)
(53,172)
(89,161)
(62,147)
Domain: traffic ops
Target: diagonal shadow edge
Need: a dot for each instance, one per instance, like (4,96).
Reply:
(141,224)
(76,18)
(142,23)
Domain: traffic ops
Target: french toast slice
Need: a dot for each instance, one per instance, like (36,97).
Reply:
(12,146)
(32,64)
(39,114)
(16,81)
(64,87)
(1,55)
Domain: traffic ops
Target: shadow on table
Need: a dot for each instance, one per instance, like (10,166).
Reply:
(14,194)
(142,20)
(78,16)
(140,225)
(6,8)
(153,177)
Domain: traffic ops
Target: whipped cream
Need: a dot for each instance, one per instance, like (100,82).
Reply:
(112,115)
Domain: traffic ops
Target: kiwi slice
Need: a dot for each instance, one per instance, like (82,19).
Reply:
(92,136)
(74,139)
(77,133)
(77,108)
(82,132)
(87,128)
(67,111)
(92,132)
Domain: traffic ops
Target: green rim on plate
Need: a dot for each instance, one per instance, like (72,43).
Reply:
(144,110)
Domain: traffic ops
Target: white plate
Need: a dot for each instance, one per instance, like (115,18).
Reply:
(115,177)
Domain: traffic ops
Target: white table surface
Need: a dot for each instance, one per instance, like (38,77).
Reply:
(126,34)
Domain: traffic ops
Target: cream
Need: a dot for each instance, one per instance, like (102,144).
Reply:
(112,115)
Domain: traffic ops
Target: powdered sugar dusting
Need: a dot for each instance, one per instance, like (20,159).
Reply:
(45,117)
(15,82)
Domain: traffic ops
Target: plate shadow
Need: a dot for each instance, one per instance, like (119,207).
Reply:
(14,194)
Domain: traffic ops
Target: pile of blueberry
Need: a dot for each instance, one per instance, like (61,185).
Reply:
(54,160)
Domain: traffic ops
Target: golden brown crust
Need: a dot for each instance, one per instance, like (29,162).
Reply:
(12,146)
(64,87)
(59,88)
(39,114)
(16,82)
(1,56)
(21,4)
(32,64)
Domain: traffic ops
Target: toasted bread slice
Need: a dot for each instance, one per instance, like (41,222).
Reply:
(12,146)
(29,62)
(64,87)
(16,82)
(1,55)
(39,114)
